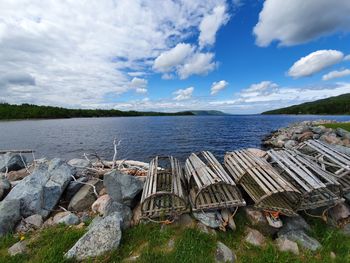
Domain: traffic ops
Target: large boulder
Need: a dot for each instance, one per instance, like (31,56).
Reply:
(5,186)
(40,192)
(100,205)
(122,188)
(210,219)
(11,162)
(302,239)
(85,197)
(295,223)
(74,187)
(100,238)
(123,211)
(343,133)
(9,215)
(257,219)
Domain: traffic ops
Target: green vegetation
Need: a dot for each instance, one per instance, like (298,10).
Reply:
(28,111)
(151,243)
(343,125)
(339,105)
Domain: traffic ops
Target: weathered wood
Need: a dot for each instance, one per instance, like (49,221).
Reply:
(164,191)
(16,151)
(318,187)
(268,189)
(210,186)
(328,159)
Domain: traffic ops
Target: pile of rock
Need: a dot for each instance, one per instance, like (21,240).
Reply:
(296,133)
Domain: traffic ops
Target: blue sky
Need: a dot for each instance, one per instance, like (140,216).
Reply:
(237,56)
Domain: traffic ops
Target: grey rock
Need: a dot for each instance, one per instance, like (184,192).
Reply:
(35,221)
(123,211)
(122,188)
(258,220)
(100,238)
(209,219)
(80,163)
(85,197)
(286,245)
(18,248)
(11,162)
(67,218)
(302,239)
(338,213)
(224,253)
(39,192)
(254,237)
(343,133)
(318,129)
(5,186)
(9,215)
(185,220)
(73,187)
(294,223)
(290,144)
(204,229)
(346,229)
(330,138)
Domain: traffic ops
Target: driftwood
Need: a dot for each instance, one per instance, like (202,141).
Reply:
(16,151)
(164,192)
(268,189)
(211,188)
(318,187)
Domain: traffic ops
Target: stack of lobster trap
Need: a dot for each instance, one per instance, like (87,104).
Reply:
(312,175)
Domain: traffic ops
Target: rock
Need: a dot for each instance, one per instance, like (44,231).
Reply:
(35,221)
(223,253)
(103,191)
(204,229)
(67,218)
(257,152)
(11,162)
(330,138)
(226,215)
(124,213)
(343,133)
(79,163)
(302,239)
(258,220)
(347,198)
(332,255)
(100,238)
(301,129)
(346,229)
(122,188)
(318,129)
(255,238)
(18,248)
(294,223)
(99,206)
(305,136)
(9,215)
(185,220)
(73,187)
(286,245)
(338,213)
(85,197)
(171,244)
(290,144)
(85,217)
(39,192)
(5,187)
(136,215)
(209,219)
(20,174)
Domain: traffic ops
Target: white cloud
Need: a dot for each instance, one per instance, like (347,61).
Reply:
(336,74)
(183,94)
(262,88)
(298,21)
(217,86)
(199,64)
(315,62)
(78,53)
(211,24)
(347,58)
(166,61)
(139,84)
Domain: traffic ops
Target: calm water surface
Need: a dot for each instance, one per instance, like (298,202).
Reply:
(143,137)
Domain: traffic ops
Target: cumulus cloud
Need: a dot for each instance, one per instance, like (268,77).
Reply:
(217,86)
(199,64)
(336,74)
(211,24)
(139,84)
(77,52)
(315,62)
(258,89)
(298,21)
(347,58)
(183,94)
(17,78)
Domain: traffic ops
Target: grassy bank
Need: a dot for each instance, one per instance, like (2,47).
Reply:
(344,125)
(151,242)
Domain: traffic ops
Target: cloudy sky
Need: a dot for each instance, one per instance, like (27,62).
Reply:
(239,56)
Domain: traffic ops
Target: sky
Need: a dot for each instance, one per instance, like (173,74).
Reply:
(238,56)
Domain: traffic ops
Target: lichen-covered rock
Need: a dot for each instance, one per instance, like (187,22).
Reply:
(224,253)
(122,188)
(302,239)
(209,219)
(124,213)
(67,218)
(100,238)
(9,215)
(286,245)
(254,237)
(11,162)
(73,187)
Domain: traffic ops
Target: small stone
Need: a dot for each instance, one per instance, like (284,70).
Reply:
(255,238)
(332,255)
(67,218)
(284,245)
(305,136)
(224,253)
(185,220)
(35,221)
(339,213)
(209,219)
(18,248)
(290,144)
(204,229)
(80,226)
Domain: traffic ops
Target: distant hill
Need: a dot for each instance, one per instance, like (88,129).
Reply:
(339,105)
(29,111)
(207,112)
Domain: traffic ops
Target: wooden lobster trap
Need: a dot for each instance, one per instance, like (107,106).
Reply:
(164,193)
(318,187)
(269,190)
(329,159)
(211,188)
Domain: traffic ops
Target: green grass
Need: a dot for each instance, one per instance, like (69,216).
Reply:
(344,125)
(150,242)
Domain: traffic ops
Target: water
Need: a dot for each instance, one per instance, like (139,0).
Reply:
(143,137)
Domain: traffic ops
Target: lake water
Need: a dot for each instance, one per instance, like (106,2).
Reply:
(143,137)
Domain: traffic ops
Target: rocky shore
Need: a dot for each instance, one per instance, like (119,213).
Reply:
(104,197)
